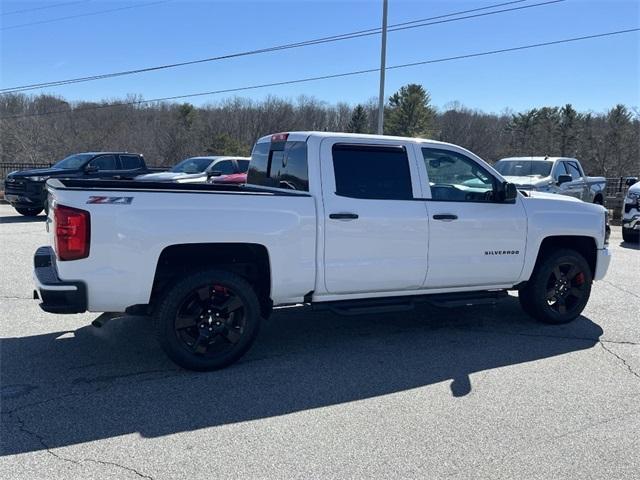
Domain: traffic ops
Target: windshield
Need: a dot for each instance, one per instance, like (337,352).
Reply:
(523,168)
(74,161)
(192,165)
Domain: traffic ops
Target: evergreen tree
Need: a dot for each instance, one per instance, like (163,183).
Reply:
(359,121)
(568,127)
(409,112)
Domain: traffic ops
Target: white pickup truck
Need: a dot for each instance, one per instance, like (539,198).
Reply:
(564,176)
(353,223)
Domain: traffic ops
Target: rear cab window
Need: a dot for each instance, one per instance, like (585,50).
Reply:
(279,164)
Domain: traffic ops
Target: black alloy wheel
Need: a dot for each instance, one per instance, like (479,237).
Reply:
(207,320)
(566,287)
(210,321)
(559,287)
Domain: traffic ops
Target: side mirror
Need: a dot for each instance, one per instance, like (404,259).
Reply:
(215,173)
(564,179)
(505,192)
(91,169)
(510,192)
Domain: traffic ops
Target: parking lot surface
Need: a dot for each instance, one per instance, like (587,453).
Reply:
(481,392)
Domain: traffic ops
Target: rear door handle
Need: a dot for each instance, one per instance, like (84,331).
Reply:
(343,216)
(445,216)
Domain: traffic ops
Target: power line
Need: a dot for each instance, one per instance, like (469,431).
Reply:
(45,7)
(69,17)
(331,76)
(334,38)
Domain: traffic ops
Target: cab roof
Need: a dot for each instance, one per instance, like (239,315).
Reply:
(301,136)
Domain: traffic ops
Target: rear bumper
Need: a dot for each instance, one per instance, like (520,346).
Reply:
(603,259)
(57,296)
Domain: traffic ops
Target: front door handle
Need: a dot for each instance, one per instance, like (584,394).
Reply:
(343,216)
(445,216)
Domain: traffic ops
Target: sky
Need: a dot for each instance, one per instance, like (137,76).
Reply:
(593,75)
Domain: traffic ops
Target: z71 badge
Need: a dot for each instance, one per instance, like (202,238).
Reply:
(111,200)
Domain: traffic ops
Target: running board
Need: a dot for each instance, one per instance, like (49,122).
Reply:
(368,306)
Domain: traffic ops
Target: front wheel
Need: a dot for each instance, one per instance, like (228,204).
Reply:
(630,236)
(28,212)
(558,289)
(208,320)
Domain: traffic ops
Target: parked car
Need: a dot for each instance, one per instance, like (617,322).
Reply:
(25,189)
(198,170)
(234,178)
(353,223)
(631,215)
(554,175)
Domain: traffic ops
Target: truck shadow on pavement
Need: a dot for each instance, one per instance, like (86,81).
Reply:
(67,388)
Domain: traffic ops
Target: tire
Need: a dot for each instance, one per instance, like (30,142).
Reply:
(28,212)
(598,200)
(630,236)
(559,287)
(207,320)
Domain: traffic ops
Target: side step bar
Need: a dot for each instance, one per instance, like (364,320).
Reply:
(367,306)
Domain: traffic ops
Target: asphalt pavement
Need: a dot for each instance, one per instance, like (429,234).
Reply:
(480,392)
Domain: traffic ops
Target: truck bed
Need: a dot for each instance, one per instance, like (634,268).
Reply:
(167,187)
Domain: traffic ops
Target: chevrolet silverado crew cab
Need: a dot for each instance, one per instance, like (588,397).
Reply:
(25,190)
(564,176)
(352,223)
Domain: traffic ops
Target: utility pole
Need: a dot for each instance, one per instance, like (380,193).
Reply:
(383,60)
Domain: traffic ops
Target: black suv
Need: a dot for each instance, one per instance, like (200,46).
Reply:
(25,190)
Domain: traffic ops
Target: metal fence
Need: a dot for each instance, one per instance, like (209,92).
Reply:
(6,168)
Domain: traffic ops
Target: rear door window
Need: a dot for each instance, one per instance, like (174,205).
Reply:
(131,162)
(225,167)
(372,172)
(243,165)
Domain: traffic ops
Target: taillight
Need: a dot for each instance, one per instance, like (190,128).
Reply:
(73,232)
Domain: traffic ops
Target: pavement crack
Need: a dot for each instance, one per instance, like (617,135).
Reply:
(40,439)
(124,467)
(633,372)
(23,428)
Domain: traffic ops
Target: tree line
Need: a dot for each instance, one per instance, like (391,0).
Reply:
(607,143)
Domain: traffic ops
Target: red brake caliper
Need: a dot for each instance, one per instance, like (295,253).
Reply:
(580,278)
(220,289)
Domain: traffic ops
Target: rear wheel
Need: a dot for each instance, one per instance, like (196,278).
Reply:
(208,320)
(598,200)
(28,212)
(559,287)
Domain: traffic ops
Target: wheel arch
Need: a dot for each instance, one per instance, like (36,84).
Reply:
(584,245)
(249,260)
